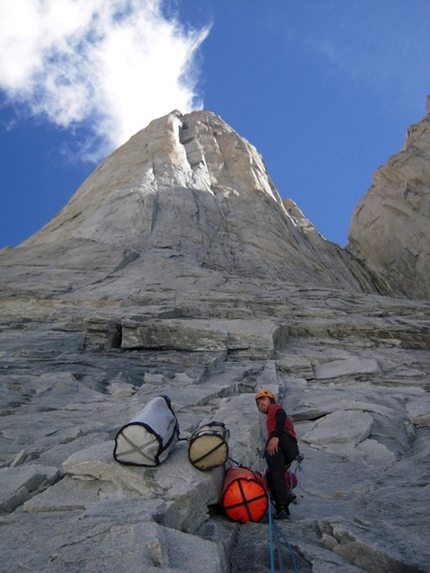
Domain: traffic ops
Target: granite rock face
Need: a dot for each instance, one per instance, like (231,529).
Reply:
(185,195)
(390,227)
(176,269)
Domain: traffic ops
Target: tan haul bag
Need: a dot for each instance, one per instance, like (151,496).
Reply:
(208,446)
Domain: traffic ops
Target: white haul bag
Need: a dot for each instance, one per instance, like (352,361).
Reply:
(150,436)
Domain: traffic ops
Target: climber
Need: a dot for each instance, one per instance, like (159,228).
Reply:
(280,450)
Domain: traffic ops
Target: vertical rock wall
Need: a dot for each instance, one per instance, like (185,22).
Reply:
(390,227)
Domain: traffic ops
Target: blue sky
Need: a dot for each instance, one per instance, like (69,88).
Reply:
(324,89)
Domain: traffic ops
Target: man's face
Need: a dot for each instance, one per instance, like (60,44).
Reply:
(263,404)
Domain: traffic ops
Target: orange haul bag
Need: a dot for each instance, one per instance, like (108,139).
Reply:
(244,495)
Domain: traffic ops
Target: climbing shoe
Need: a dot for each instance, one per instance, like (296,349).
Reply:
(282,513)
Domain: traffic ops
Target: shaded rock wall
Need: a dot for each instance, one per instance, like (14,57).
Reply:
(390,227)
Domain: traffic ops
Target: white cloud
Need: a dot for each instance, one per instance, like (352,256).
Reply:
(111,64)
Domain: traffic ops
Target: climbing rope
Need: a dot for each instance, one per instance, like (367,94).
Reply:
(293,556)
(298,469)
(274,532)
(272,553)
(279,550)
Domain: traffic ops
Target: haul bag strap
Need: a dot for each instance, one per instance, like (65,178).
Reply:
(176,428)
(215,424)
(170,440)
(206,454)
(244,501)
(138,449)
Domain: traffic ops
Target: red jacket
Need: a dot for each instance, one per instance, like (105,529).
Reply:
(271,421)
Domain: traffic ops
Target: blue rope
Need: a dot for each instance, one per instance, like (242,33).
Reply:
(274,532)
(278,547)
(299,468)
(272,555)
(293,557)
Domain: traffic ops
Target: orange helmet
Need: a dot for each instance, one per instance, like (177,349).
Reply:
(264,394)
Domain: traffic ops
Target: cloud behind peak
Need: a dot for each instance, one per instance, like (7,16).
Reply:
(108,65)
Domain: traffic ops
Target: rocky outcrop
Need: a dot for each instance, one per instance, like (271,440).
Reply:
(176,269)
(352,372)
(390,227)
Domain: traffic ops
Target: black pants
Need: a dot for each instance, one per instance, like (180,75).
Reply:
(288,450)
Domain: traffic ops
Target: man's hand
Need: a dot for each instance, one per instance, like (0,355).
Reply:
(272,446)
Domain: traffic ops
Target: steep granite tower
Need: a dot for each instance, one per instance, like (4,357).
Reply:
(390,227)
(186,195)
